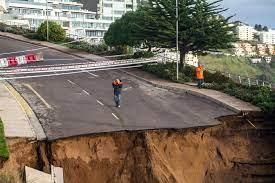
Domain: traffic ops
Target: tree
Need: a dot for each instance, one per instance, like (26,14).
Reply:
(265,28)
(201,27)
(131,30)
(260,28)
(56,32)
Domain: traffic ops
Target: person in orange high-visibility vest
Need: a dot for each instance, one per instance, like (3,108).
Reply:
(199,75)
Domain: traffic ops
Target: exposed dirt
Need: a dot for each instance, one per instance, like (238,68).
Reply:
(23,152)
(197,155)
(231,152)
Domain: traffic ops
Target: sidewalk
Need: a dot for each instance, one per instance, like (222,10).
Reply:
(64,49)
(220,98)
(18,118)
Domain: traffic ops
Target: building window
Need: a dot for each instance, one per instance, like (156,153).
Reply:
(94,33)
(66,24)
(108,5)
(107,18)
(89,16)
(76,24)
(71,7)
(129,6)
(118,12)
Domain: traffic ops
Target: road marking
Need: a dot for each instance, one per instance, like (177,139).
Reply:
(22,103)
(115,116)
(92,74)
(100,102)
(71,82)
(39,96)
(86,92)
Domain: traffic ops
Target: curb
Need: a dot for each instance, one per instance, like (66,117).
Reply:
(41,44)
(194,93)
(34,122)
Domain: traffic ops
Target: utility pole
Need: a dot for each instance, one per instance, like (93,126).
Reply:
(47,20)
(177,37)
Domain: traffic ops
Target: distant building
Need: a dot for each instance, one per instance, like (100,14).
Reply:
(245,32)
(268,59)
(238,49)
(71,15)
(248,49)
(113,9)
(191,59)
(268,37)
(255,60)
(270,49)
(2,6)
(261,48)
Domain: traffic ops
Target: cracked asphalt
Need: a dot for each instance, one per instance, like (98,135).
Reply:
(78,104)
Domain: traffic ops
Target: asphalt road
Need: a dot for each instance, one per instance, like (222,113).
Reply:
(82,103)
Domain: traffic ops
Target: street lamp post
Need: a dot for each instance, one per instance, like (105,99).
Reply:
(177,37)
(47,20)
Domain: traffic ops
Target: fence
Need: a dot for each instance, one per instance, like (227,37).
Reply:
(249,81)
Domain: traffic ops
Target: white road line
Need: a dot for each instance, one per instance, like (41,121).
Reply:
(115,116)
(39,96)
(92,74)
(71,82)
(86,92)
(100,102)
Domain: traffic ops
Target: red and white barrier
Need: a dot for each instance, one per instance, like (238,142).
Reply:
(20,60)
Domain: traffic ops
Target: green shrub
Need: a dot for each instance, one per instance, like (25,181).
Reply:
(263,97)
(166,71)
(143,54)
(3,27)
(33,36)
(56,32)
(95,49)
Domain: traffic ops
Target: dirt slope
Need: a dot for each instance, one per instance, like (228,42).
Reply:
(198,155)
(231,152)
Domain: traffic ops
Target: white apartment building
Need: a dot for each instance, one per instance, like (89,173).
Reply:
(114,9)
(268,37)
(245,32)
(2,6)
(71,15)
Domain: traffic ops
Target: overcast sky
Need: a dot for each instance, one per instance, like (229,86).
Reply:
(252,11)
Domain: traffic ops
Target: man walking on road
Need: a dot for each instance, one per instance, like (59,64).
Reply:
(199,75)
(117,85)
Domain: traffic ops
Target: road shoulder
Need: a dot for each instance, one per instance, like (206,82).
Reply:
(217,97)
(18,117)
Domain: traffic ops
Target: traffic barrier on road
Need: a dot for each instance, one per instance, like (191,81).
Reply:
(75,67)
(20,60)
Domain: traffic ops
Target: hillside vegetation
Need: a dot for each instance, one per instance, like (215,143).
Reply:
(239,66)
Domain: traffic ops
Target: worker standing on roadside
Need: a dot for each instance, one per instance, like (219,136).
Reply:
(199,75)
(117,85)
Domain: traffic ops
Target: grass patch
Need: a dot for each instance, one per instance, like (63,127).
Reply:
(229,64)
(4,153)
